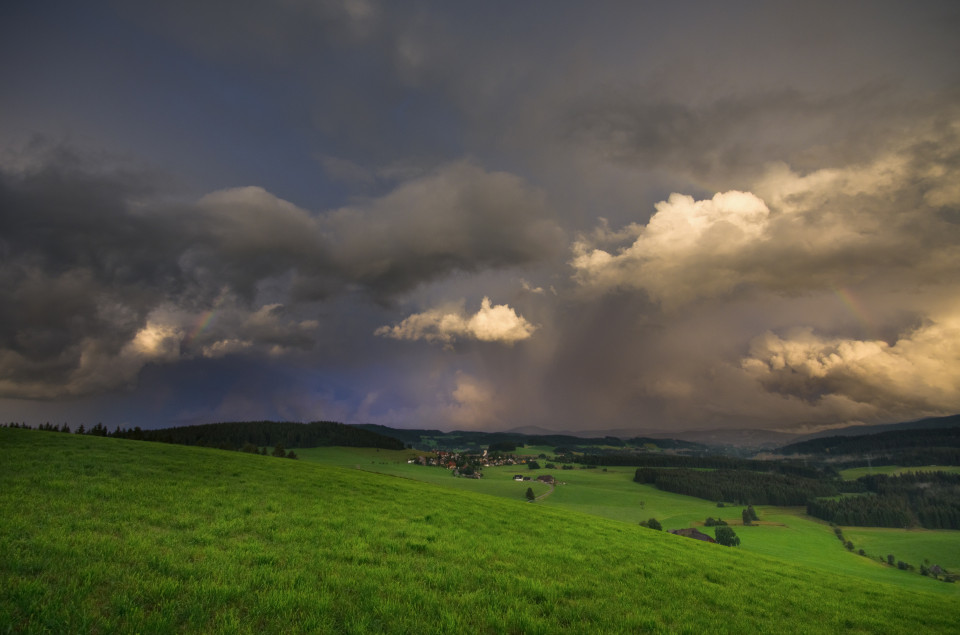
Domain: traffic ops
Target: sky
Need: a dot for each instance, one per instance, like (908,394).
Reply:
(579,216)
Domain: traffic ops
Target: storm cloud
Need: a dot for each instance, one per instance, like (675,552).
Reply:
(104,277)
(445,215)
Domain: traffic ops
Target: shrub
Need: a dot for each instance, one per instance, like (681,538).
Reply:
(652,523)
(726,536)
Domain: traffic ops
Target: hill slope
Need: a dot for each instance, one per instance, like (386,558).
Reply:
(103,535)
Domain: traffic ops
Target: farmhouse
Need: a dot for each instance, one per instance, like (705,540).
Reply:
(548,479)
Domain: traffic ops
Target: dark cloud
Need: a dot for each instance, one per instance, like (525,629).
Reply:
(731,137)
(774,178)
(96,268)
(458,218)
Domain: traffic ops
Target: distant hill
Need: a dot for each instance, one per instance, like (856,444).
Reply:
(727,441)
(739,438)
(233,435)
(460,439)
(902,441)
(927,423)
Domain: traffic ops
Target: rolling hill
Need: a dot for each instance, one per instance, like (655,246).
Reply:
(106,535)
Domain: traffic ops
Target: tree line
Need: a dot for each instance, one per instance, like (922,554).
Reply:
(928,499)
(240,434)
(736,486)
(907,458)
(710,462)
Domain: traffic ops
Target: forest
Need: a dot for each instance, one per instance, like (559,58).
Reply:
(927,499)
(709,461)
(742,487)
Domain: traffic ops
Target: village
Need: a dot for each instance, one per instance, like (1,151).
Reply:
(470,465)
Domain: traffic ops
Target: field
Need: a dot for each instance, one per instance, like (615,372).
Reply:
(916,546)
(108,535)
(854,473)
(782,532)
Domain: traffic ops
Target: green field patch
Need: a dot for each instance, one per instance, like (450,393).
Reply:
(533,450)
(914,546)
(854,473)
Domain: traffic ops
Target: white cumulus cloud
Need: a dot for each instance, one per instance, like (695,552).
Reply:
(492,323)
(688,249)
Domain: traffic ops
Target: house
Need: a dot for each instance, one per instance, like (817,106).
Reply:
(690,532)
(546,478)
(518,477)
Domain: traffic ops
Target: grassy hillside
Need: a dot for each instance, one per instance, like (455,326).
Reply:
(916,546)
(105,535)
(783,532)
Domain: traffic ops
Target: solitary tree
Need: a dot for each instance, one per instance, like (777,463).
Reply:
(279,450)
(746,517)
(726,536)
(530,494)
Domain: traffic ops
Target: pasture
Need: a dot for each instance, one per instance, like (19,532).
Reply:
(108,535)
(782,532)
(854,473)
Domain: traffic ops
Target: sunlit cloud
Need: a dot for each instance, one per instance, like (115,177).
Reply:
(920,372)
(688,249)
(492,323)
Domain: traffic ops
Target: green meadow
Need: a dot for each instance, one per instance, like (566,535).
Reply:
(854,473)
(782,532)
(106,535)
(916,546)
